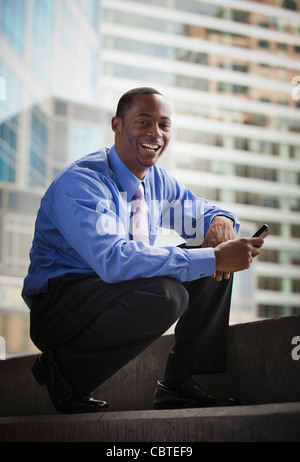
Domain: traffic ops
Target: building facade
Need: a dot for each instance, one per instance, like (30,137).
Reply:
(231,71)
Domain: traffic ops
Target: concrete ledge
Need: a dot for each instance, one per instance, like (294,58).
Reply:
(260,371)
(260,423)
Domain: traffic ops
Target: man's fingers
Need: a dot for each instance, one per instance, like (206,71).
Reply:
(219,275)
(257,241)
(236,255)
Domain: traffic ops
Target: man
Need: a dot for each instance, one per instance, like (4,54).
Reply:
(100,292)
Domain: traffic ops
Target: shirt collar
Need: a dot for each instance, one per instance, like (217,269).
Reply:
(126,179)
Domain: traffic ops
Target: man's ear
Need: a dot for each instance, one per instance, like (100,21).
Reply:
(116,125)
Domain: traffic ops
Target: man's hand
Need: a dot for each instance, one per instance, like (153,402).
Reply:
(237,255)
(220,231)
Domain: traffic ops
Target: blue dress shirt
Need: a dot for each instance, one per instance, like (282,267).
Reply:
(83,226)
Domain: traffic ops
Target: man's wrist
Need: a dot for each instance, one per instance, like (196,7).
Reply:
(224,218)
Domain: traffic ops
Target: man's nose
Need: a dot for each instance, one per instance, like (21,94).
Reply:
(155,130)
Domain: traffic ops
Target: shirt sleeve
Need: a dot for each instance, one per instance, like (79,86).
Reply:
(81,213)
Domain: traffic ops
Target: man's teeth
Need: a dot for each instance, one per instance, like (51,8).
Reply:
(153,147)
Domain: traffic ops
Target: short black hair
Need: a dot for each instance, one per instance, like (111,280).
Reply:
(126,100)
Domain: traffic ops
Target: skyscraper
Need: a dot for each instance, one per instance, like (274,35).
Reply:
(231,71)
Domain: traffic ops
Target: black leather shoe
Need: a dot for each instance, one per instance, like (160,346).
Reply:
(46,371)
(187,394)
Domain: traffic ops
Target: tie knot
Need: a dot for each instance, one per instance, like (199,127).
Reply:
(139,192)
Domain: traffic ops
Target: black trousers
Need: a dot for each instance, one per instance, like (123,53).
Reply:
(95,328)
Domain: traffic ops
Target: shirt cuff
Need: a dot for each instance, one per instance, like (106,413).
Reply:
(202,262)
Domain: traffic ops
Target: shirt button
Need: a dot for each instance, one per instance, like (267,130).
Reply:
(201,275)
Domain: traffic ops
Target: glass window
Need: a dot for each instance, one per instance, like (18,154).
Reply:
(296,286)
(270,256)
(281,47)
(8,135)
(93,11)
(263,44)
(87,113)
(11,105)
(295,231)
(192,6)
(241,16)
(142,22)
(269,283)
(61,137)
(7,168)
(141,47)
(42,42)
(270,311)
(13,15)
(135,73)
(257,200)
(69,31)
(38,150)
(290,5)
(23,203)
(267,174)
(61,108)
(8,149)
(84,140)
(226,87)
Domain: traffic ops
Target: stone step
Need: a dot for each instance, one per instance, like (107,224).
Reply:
(279,422)
(263,371)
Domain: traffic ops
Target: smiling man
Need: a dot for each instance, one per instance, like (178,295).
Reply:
(100,291)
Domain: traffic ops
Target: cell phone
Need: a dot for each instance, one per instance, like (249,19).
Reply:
(263,232)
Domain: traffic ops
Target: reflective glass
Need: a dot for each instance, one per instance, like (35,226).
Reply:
(13,17)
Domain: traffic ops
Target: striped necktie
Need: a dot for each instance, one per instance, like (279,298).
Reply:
(139,217)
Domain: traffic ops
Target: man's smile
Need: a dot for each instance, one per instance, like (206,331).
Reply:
(151,147)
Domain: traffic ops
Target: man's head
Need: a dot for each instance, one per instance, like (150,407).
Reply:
(142,127)
(126,101)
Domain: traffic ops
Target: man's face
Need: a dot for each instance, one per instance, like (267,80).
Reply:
(143,134)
